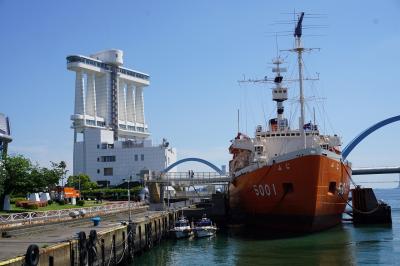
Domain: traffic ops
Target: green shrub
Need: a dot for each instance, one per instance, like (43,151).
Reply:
(42,203)
(14,200)
(80,202)
(61,202)
(112,193)
(21,203)
(50,202)
(32,206)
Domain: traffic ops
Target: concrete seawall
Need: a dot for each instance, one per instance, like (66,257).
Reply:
(112,246)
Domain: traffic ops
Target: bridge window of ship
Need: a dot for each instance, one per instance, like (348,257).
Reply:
(332,187)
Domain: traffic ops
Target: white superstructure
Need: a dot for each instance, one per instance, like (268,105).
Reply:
(110,132)
(278,142)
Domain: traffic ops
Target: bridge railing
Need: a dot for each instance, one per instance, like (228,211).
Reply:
(187,175)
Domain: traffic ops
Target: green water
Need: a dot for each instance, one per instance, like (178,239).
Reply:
(342,245)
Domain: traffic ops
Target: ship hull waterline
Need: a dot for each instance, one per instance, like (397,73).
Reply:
(304,194)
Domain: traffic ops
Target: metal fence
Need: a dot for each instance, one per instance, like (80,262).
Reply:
(53,215)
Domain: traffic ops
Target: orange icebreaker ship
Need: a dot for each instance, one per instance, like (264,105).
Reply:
(291,180)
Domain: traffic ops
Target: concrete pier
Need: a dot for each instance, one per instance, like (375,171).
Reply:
(113,242)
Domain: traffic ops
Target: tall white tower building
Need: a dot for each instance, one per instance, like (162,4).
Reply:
(110,132)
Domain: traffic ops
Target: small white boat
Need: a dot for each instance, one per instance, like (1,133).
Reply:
(204,228)
(182,228)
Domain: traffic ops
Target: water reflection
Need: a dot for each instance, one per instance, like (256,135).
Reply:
(342,245)
(331,247)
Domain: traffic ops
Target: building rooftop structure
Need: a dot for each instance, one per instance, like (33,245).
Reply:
(111,136)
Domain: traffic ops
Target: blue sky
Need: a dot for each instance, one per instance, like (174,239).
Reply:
(195,51)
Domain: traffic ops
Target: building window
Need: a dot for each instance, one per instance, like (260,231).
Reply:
(101,124)
(136,157)
(108,171)
(142,157)
(98,159)
(110,146)
(98,146)
(98,171)
(108,158)
(90,122)
(104,146)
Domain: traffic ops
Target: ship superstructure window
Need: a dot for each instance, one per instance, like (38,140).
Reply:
(108,171)
(108,158)
(258,149)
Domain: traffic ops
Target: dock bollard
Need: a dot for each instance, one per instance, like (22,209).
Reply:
(96,221)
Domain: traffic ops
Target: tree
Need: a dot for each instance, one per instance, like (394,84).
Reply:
(15,175)
(84,180)
(62,165)
(42,178)
(18,175)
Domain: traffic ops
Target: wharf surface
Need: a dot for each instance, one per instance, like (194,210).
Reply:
(59,245)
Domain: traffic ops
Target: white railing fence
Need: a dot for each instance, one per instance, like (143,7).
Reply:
(42,216)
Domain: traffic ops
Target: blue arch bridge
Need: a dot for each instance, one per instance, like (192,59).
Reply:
(219,176)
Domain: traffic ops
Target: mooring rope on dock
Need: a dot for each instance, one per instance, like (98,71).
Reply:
(111,251)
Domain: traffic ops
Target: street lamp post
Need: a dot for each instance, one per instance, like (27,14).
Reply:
(79,187)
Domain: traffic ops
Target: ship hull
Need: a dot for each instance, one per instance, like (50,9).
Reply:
(303,194)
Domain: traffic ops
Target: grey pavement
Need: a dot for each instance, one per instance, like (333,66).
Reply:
(49,235)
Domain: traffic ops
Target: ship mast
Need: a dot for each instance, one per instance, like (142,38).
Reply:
(299,50)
